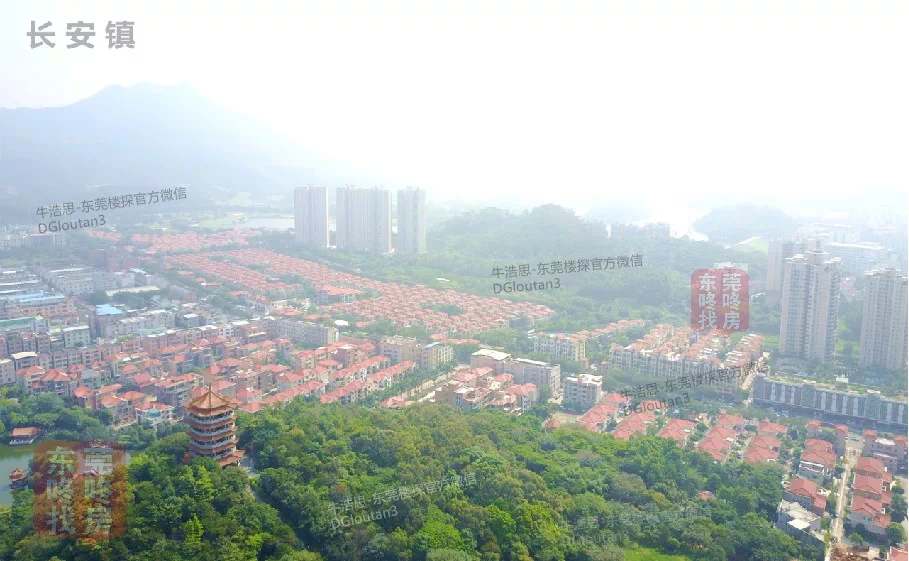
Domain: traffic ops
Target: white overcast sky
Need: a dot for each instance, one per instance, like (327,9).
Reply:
(786,100)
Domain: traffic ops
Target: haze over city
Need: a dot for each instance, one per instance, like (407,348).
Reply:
(531,102)
(463,281)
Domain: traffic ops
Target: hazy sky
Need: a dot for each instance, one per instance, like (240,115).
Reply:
(775,101)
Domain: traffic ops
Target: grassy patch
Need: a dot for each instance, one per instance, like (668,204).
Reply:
(647,554)
(225,221)
(759,244)
(771,342)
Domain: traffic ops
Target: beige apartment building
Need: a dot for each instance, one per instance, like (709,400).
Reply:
(311,216)
(540,374)
(430,356)
(810,306)
(363,219)
(561,347)
(411,221)
(582,391)
(884,320)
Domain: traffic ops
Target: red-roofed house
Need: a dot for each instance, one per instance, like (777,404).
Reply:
(871,488)
(525,395)
(818,461)
(677,429)
(872,467)
(869,513)
(248,395)
(58,382)
(121,411)
(735,422)
(805,492)
(772,429)
(715,446)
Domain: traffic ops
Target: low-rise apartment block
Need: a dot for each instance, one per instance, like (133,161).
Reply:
(560,347)
(79,335)
(800,523)
(822,399)
(582,391)
(890,451)
(541,374)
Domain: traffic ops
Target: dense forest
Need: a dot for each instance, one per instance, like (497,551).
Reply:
(529,495)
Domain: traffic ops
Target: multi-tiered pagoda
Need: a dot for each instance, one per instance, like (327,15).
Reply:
(212,432)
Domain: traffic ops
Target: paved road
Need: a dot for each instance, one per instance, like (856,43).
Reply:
(853,451)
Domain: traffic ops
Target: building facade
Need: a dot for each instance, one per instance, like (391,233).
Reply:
(363,219)
(311,216)
(411,221)
(810,306)
(867,409)
(561,347)
(583,390)
(885,332)
(857,257)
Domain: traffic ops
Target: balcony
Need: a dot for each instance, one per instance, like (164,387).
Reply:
(210,420)
(223,430)
(212,445)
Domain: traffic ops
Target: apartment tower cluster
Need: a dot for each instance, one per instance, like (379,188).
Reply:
(363,219)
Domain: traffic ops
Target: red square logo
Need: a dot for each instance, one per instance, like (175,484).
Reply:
(719,299)
(80,489)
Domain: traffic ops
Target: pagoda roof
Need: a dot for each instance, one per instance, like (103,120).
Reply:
(209,401)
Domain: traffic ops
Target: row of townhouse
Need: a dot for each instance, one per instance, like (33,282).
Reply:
(573,346)
(399,303)
(606,410)
(377,380)
(840,432)
(890,450)
(483,387)
(525,371)
(718,441)
(871,496)
(427,355)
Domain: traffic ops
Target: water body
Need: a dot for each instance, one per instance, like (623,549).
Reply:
(12,457)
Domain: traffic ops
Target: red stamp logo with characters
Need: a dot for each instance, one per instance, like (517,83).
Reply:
(80,489)
(719,299)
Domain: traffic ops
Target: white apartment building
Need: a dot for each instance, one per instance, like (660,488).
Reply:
(311,216)
(306,332)
(411,221)
(541,374)
(810,306)
(73,281)
(154,319)
(398,349)
(434,355)
(778,251)
(884,320)
(561,347)
(583,390)
(79,334)
(7,372)
(857,257)
(364,219)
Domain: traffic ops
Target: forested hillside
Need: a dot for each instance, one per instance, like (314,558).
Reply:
(532,489)
(524,494)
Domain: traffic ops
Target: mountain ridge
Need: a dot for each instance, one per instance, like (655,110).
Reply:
(148,136)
